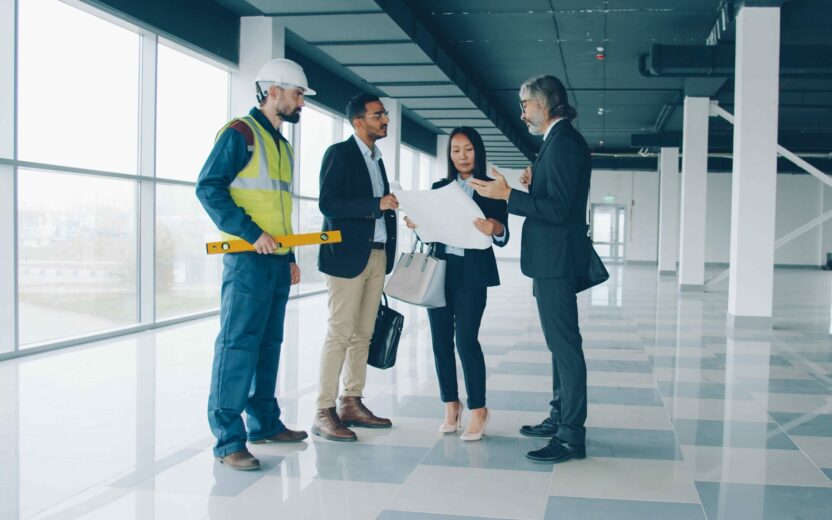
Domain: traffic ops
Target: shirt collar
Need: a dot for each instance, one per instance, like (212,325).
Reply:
(261,118)
(374,154)
(549,130)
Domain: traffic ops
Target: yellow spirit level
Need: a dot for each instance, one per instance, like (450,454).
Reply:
(305,239)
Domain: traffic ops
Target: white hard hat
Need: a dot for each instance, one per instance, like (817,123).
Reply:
(282,72)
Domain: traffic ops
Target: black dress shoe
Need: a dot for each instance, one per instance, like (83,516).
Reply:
(558,451)
(547,429)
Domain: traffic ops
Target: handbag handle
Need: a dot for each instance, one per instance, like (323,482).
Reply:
(418,242)
(431,247)
(384,298)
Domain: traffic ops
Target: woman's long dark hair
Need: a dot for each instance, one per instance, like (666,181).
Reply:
(479,153)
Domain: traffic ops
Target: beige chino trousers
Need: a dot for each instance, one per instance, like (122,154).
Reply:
(353,305)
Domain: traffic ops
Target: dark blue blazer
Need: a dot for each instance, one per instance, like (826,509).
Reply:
(347,203)
(480,265)
(554,243)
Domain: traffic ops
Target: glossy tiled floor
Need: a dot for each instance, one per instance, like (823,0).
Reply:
(684,422)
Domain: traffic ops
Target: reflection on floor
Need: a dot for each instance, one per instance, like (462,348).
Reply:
(684,422)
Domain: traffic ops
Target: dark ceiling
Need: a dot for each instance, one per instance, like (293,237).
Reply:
(455,62)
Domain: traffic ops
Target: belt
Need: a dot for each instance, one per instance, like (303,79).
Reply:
(377,245)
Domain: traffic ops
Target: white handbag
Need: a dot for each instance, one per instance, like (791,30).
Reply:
(418,278)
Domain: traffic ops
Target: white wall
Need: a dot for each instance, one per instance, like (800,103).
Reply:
(799,199)
(639,192)
(718,221)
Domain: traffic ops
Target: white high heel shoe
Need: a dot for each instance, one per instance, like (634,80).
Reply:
(470,436)
(453,428)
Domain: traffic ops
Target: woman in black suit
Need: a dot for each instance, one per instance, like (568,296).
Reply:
(469,273)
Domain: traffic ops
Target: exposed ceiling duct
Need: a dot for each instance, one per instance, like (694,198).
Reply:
(685,61)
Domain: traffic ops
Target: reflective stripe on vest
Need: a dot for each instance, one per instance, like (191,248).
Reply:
(263,188)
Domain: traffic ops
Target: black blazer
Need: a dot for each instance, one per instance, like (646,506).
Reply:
(479,265)
(347,203)
(554,243)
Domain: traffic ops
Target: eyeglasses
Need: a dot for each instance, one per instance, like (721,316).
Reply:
(523,104)
(378,115)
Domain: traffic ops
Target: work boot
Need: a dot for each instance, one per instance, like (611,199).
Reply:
(286,435)
(353,413)
(241,460)
(329,426)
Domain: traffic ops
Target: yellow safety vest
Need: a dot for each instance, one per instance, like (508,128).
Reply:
(264,187)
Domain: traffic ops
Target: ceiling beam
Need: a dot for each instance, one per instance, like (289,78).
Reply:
(401,13)
(356,43)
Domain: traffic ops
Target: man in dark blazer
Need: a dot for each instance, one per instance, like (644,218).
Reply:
(554,251)
(355,199)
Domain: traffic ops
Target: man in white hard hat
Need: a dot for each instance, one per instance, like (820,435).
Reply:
(246,188)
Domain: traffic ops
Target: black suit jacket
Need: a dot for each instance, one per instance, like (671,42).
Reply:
(479,265)
(347,203)
(554,243)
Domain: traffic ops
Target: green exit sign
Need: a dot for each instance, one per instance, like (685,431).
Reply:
(609,199)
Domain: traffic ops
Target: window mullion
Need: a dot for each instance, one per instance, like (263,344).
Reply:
(147,188)
(8,176)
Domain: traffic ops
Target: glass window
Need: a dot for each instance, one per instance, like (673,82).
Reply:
(602,224)
(347,130)
(181,367)
(427,169)
(78,89)
(310,220)
(187,280)
(407,173)
(77,254)
(192,106)
(316,129)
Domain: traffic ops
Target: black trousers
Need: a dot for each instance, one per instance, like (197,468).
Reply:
(558,310)
(461,317)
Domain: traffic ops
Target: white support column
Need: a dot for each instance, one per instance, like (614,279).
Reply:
(754,181)
(441,158)
(147,189)
(8,176)
(694,193)
(390,145)
(262,38)
(668,210)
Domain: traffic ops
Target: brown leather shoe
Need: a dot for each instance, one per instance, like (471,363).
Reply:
(353,413)
(329,426)
(286,435)
(240,460)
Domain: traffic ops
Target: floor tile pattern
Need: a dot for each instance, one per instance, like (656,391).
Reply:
(686,420)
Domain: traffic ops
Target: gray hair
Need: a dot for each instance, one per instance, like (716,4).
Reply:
(550,92)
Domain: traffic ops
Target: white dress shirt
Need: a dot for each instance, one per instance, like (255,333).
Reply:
(372,158)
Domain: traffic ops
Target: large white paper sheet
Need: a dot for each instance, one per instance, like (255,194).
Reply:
(445,215)
(512,178)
